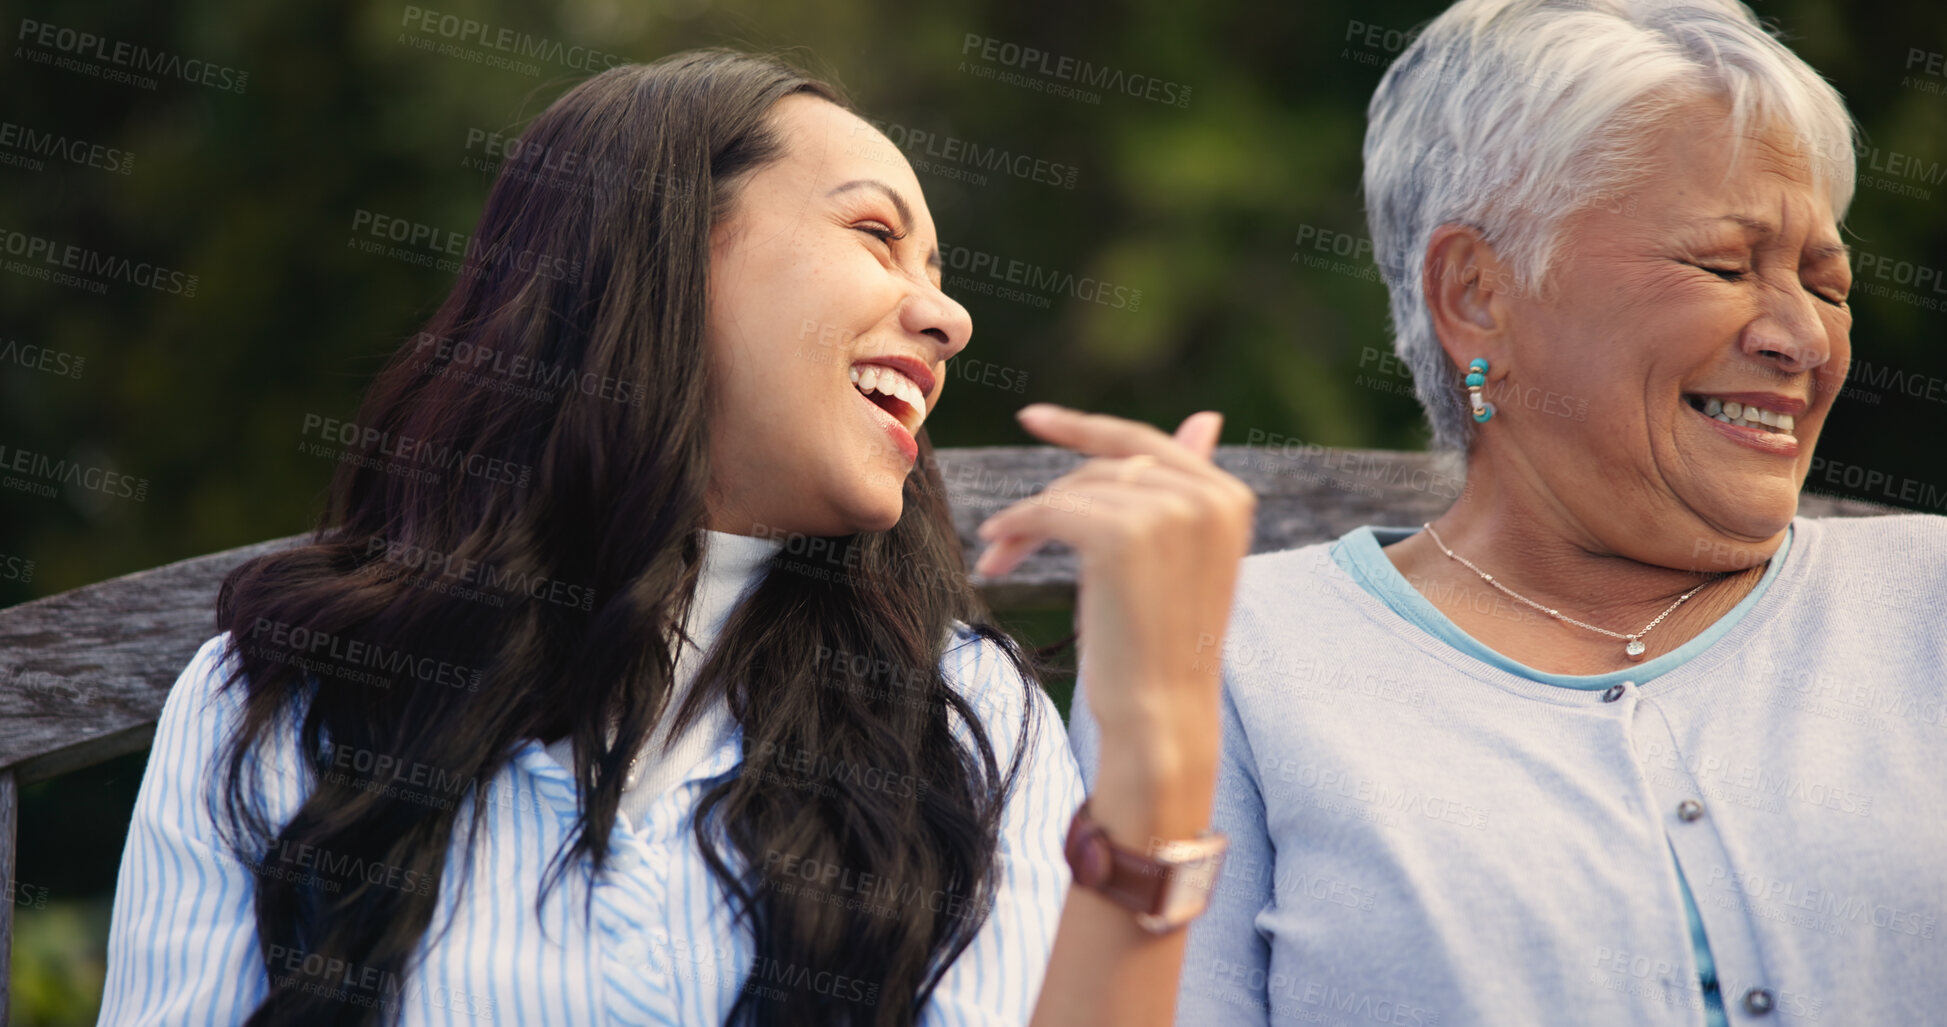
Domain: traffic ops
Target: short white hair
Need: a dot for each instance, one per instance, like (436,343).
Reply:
(1510,115)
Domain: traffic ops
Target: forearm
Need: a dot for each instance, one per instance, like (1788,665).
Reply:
(1105,969)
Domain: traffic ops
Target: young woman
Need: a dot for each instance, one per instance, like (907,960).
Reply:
(633,675)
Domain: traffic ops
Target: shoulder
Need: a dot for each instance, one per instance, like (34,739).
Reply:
(1894,560)
(1274,571)
(202,711)
(1907,543)
(200,687)
(1277,588)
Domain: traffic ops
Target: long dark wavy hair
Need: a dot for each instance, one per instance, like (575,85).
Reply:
(510,546)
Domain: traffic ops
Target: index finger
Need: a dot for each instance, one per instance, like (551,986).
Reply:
(1105,435)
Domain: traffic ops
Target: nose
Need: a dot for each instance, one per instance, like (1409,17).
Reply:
(929,311)
(1789,335)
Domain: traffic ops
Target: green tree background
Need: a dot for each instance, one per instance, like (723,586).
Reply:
(1197,214)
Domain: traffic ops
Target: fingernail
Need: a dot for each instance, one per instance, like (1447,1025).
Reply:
(1036,410)
(984,531)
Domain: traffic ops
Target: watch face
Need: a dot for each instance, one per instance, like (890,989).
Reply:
(1186,891)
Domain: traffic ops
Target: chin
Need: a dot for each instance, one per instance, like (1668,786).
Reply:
(876,513)
(1742,536)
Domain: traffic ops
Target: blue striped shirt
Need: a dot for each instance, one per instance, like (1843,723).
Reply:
(660,948)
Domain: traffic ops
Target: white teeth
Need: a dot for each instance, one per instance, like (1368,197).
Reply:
(885,380)
(1746,415)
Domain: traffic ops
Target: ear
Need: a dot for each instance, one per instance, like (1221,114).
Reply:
(1467,289)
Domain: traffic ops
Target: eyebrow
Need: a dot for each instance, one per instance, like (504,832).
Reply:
(1819,251)
(898,203)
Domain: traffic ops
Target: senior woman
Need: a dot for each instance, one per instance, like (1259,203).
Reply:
(1618,738)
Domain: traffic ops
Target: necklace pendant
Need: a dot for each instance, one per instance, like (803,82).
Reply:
(1635,649)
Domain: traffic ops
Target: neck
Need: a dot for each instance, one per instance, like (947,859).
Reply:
(1534,547)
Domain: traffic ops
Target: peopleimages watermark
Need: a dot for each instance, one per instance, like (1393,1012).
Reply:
(1932,68)
(1059,75)
(118,60)
(408,456)
(365,986)
(833,883)
(1368,471)
(944,154)
(701,961)
(51,260)
(31,145)
(37,470)
(496,46)
(830,345)
(21,893)
(519,374)
(41,358)
(468,578)
(574,172)
(1896,489)
(812,769)
(16,568)
(991,274)
(1326,244)
(24,681)
(430,246)
(304,865)
(372,663)
(1891,166)
(1292,997)
(1505,394)
(1870,266)
(842,562)
(367,770)
(1818,908)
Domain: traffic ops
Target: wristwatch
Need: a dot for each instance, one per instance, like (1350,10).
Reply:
(1166,887)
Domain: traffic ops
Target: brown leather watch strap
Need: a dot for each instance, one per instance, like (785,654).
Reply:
(1166,887)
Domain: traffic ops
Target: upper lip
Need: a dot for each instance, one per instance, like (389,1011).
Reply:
(1767,400)
(911,367)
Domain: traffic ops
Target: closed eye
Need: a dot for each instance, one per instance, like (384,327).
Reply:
(1729,274)
(881,231)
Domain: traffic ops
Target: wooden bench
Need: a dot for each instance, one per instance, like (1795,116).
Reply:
(92,666)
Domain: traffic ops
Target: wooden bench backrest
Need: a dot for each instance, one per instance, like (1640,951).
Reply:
(89,668)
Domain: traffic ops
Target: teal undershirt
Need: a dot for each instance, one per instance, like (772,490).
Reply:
(1360,554)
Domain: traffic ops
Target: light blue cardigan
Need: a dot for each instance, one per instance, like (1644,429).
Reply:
(1422,838)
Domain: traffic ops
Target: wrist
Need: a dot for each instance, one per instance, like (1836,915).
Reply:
(1159,788)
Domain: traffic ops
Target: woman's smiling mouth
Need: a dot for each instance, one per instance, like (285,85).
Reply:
(1764,423)
(896,389)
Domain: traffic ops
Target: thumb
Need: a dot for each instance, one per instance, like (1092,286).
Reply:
(1198,433)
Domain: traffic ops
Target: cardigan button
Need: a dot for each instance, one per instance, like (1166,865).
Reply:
(1689,809)
(1614,692)
(1758,1001)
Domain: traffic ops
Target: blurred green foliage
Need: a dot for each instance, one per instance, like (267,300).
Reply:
(1197,206)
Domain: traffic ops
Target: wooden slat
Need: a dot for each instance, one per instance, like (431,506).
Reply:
(90,667)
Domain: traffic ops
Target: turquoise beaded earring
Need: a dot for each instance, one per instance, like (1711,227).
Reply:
(1476,378)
